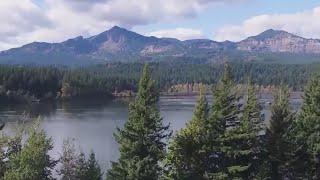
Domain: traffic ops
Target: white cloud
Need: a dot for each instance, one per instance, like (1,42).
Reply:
(22,21)
(179,33)
(304,23)
(18,17)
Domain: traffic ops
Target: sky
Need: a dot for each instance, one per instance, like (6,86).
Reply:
(26,21)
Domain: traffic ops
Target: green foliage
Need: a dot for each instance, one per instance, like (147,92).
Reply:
(74,165)
(185,159)
(252,110)
(225,141)
(33,161)
(68,161)
(197,152)
(241,142)
(225,108)
(87,169)
(31,81)
(141,141)
(278,144)
(223,113)
(93,169)
(308,132)
(18,82)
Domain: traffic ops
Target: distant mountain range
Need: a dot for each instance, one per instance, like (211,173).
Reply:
(119,44)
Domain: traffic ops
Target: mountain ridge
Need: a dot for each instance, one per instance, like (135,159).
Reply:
(120,44)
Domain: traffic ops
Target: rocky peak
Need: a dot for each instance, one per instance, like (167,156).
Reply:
(279,41)
(270,33)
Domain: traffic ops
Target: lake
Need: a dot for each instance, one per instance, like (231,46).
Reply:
(92,122)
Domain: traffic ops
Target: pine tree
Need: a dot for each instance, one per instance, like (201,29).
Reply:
(75,166)
(279,147)
(308,132)
(33,161)
(185,159)
(93,171)
(69,161)
(252,109)
(241,142)
(252,116)
(141,140)
(224,113)
(81,167)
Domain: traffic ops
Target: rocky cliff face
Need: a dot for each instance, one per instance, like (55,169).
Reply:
(279,41)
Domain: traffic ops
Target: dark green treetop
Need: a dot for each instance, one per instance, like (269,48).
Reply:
(142,139)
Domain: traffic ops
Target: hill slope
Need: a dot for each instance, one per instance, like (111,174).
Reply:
(119,44)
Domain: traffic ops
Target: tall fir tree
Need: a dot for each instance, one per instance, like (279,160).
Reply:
(278,143)
(93,171)
(185,159)
(241,142)
(224,113)
(252,109)
(308,129)
(81,167)
(142,139)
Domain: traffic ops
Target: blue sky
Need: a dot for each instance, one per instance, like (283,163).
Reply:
(57,20)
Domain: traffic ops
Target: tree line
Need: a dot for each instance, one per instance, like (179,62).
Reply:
(225,140)
(36,82)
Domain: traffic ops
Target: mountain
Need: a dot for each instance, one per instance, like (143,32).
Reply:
(119,44)
(279,41)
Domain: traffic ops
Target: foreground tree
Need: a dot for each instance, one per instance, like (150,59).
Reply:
(241,142)
(185,159)
(75,166)
(279,146)
(93,171)
(224,114)
(33,161)
(87,169)
(142,139)
(308,129)
(69,161)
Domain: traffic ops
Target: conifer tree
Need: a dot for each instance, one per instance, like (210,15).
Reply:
(81,167)
(93,171)
(278,143)
(33,161)
(224,113)
(141,140)
(308,129)
(241,142)
(75,166)
(69,161)
(185,159)
(252,109)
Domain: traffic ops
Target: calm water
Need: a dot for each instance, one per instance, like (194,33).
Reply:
(92,122)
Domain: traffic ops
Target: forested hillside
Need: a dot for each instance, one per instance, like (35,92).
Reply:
(20,82)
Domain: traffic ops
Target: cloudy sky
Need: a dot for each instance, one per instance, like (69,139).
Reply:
(25,21)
